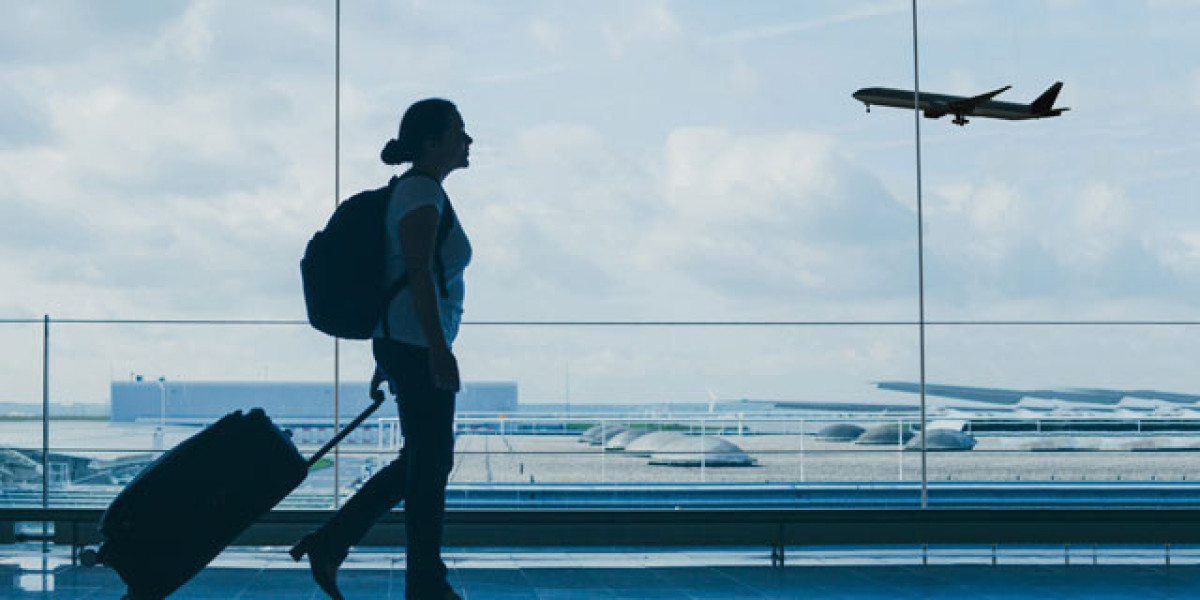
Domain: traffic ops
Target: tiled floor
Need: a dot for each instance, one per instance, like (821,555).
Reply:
(678,575)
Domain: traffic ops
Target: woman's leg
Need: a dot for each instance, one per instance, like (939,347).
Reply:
(383,491)
(328,546)
(427,416)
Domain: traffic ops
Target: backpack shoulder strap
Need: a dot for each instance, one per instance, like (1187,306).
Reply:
(445,224)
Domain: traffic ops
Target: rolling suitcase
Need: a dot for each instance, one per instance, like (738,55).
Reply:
(183,509)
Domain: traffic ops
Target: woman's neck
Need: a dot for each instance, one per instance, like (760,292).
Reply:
(431,170)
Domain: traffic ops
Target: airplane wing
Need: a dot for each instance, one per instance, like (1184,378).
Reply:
(969,104)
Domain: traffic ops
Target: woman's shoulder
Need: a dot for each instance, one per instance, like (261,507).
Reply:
(418,190)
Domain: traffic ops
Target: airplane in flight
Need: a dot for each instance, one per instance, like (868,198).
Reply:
(939,105)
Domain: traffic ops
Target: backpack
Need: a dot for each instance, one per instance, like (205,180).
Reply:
(345,294)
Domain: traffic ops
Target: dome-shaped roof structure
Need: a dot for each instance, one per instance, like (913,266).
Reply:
(1161,444)
(608,433)
(695,450)
(652,442)
(840,432)
(943,440)
(591,433)
(892,434)
(621,440)
(1060,444)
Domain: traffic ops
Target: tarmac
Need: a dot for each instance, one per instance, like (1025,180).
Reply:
(791,458)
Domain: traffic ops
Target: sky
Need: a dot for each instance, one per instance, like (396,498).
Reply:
(637,160)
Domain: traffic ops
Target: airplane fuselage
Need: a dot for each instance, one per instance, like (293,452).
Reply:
(938,105)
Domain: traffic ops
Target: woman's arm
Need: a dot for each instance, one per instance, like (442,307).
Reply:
(418,232)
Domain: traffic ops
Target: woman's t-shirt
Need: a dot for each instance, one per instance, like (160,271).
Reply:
(409,194)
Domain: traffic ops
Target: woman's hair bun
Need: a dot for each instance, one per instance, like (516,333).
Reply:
(393,153)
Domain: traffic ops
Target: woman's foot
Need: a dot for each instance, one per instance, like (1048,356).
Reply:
(322,562)
(446,593)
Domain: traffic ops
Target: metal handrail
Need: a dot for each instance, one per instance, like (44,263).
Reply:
(654,323)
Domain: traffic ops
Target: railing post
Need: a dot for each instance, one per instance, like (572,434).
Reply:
(45,424)
(337,422)
(337,198)
(603,450)
(801,450)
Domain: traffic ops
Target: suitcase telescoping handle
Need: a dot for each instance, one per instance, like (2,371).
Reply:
(377,398)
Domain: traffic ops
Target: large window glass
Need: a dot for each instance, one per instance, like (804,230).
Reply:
(663,162)
(160,161)
(683,223)
(654,160)
(1087,216)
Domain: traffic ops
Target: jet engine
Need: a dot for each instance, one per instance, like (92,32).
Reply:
(936,110)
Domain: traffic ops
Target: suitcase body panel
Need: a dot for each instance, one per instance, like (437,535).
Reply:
(188,505)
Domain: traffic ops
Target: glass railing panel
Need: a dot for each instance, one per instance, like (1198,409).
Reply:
(21,411)
(1063,403)
(742,404)
(160,383)
(721,448)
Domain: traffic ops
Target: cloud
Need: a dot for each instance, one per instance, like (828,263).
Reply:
(132,145)
(1094,224)
(170,160)
(546,33)
(24,124)
(783,212)
(54,33)
(995,243)
(636,24)
(1173,5)
(1180,252)
(767,32)
(182,178)
(764,222)
(979,222)
(1195,92)
(545,212)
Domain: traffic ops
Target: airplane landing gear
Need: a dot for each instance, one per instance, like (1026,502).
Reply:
(868,107)
(960,121)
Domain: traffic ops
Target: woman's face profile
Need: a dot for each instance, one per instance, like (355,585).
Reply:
(452,149)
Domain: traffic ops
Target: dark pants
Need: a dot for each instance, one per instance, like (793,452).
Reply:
(418,476)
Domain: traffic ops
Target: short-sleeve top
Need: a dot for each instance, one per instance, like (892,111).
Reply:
(409,194)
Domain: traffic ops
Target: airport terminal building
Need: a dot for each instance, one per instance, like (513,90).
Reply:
(307,408)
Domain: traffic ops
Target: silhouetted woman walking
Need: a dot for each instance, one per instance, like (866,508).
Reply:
(412,346)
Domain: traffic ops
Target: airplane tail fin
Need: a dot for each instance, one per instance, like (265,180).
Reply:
(1045,102)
